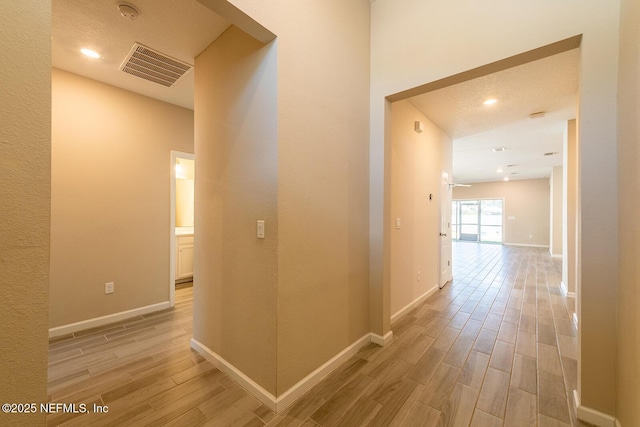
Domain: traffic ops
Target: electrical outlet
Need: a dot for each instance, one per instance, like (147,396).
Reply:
(109,287)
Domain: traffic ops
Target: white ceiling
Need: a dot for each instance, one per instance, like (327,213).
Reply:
(549,85)
(184,28)
(178,28)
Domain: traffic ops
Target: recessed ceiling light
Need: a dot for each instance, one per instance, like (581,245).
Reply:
(506,179)
(512,166)
(490,101)
(499,170)
(551,153)
(499,149)
(90,53)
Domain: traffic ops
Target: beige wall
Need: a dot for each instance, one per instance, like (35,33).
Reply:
(25,117)
(526,201)
(110,207)
(628,328)
(236,183)
(417,162)
(322,181)
(408,48)
(570,207)
(555,220)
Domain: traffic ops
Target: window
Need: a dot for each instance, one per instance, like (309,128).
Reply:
(477,220)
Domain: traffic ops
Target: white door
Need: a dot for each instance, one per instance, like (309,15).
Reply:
(445,230)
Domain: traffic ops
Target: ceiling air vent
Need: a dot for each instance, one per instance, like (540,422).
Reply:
(154,66)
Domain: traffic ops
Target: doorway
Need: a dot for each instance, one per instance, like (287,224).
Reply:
(181,229)
(477,220)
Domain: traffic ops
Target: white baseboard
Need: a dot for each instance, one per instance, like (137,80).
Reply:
(395,317)
(305,384)
(268,399)
(105,320)
(526,245)
(591,416)
(279,404)
(566,292)
(382,341)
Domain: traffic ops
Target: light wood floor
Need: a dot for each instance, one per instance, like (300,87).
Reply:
(496,347)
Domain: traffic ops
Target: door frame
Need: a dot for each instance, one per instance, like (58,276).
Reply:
(172,221)
(446,196)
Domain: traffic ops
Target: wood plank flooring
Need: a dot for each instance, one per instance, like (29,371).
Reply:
(496,347)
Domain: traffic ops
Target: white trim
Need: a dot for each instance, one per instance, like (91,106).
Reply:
(559,256)
(575,319)
(382,341)
(293,393)
(591,416)
(395,317)
(527,245)
(565,291)
(247,383)
(105,320)
(302,386)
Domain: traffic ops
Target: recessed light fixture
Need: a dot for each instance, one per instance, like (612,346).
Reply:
(90,53)
(499,170)
(512,166)
(499,149)
(537,115)
(506,179)
(551,153)
(490,101)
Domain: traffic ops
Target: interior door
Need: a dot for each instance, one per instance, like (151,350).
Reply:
(445,230)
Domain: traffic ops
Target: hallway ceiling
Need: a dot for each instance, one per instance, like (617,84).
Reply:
(549,85)
(178,28)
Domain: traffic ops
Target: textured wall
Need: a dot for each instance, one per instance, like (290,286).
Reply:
(236,151)
(25,118)
(110,202)
(555,238)
(417,162)
(322,177)
(526,201)
(628,355)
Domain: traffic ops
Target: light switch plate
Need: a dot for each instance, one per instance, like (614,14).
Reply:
(260,229)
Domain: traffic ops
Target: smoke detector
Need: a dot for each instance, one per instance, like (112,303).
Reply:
(128,11)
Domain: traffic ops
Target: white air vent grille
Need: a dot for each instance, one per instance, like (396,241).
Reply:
(154,66)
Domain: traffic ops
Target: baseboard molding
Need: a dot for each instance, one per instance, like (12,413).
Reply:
(395,317)
(591,416)
(565,291)
(305,384)
(105,320)
(268,399)
(382,341)
(527,245)
(296,391)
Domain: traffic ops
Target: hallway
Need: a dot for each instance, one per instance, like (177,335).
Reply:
(496,347)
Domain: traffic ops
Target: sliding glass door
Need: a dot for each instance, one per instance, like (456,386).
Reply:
(477,220)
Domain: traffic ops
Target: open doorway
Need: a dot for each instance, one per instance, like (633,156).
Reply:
(182,221)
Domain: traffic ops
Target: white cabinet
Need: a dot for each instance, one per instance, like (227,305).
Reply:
(184,258)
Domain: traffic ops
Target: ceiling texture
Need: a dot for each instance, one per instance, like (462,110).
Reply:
(181,29)
(548,85)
